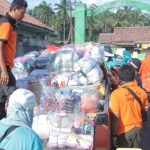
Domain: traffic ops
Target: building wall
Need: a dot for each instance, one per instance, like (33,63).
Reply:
(28,34)
(27,44)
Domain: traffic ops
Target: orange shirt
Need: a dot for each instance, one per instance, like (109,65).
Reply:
(8,34)
(124,103)
(145,73)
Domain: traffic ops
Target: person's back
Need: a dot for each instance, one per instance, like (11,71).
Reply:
(145,71)
(126,111)
(130,110)
(20,139)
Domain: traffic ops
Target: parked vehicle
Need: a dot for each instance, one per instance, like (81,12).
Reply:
(118,59)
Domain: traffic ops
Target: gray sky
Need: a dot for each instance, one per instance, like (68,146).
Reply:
(33,3)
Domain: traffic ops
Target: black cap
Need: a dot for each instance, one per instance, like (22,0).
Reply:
(135,62)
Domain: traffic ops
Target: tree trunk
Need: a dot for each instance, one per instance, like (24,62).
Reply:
(64,23)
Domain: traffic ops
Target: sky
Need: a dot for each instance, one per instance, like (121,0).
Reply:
(33,3)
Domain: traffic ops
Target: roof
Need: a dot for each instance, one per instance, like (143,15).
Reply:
(105,37)
(131,34)
(4,7)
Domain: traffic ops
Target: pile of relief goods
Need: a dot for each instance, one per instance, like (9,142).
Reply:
(68,84)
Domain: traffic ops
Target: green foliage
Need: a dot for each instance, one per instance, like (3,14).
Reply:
(58,19)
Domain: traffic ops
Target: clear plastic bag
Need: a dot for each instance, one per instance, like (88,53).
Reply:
(38,82)
(63,61)
(87,98)
(69,131)
(70,79)
(22,65)
(40,126)
(41,62)
(32,54)
(48,101)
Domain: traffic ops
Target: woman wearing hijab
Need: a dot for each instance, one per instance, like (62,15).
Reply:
(15,130)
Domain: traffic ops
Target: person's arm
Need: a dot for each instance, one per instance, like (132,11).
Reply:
(4,75)
(114,123)
(114,127)
(145,107)
(114,109)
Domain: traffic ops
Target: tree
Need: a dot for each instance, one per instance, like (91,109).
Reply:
(62,12)
(136,18)
(43,12)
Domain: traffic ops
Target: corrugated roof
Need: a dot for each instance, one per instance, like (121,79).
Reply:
(105,37)
(5,6)
(131,34)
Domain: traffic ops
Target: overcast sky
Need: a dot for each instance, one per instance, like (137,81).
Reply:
(33,3)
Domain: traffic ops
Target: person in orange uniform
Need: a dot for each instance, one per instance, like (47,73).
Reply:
(125,110)
(8,49)
(145,73)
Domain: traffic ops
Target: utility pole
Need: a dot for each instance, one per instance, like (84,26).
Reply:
(71,26)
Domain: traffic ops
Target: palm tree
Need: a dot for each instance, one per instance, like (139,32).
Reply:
(136,18)
(62,12)
(43,12)
(106,22)
(118,17)
(126,11)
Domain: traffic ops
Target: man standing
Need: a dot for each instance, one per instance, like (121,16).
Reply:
(8,50)
(145,73)
(125,110)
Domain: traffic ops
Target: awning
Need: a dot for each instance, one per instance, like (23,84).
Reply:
(142,42)
(123,43)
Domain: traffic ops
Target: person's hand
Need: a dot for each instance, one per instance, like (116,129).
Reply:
(4,78)
(109,73)
(115,141)
(6,104)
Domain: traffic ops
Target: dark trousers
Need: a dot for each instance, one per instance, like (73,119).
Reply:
(130,139)
(6,91)
(148,95)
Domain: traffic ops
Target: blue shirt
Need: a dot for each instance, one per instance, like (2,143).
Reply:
(20,139)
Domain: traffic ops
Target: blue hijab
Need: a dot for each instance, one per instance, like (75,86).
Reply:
(18,115)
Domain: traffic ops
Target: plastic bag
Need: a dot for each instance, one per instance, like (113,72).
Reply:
(48,101)
(68,78)
(50,49)
(39,79)
(68,47)
(68,131)
(41,62)
(40,126)
(22,83)
(87,98)
(32,54)
(85,64)
(63,61)
(22,65)
(97,52)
